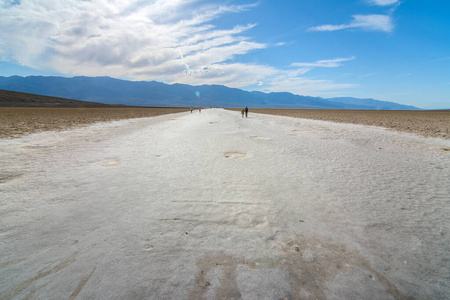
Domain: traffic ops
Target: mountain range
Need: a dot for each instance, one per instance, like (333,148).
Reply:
(157,94)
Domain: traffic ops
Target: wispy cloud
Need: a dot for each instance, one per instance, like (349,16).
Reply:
(403,75)
(364,22)
(305,86)
(326,63)
(366,75)
(383,2)
(435,60)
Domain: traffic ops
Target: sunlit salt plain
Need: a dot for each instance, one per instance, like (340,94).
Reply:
(211,205)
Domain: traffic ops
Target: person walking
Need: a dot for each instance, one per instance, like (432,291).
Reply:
(242,112)
(246,111)
(191,110)
(199,109)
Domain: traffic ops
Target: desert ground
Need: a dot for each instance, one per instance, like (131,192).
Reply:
(426,123)
(214,206)
(17,121)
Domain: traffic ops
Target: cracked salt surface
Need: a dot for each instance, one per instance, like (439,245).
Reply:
(210,205)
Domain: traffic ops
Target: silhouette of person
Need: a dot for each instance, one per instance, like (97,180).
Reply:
(242,112)
(246,111)
(199,109)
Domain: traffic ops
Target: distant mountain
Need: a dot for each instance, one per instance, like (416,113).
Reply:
(152,93)
(371,103)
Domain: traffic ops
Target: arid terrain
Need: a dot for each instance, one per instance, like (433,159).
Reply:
(426,123)
(22,113)
(17,121)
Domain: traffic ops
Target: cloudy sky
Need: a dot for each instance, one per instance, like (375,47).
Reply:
(393,50)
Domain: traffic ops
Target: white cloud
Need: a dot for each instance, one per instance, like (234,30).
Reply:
(142,40)
(304,86)
(235,75)
(326,63)
(118,38)
(364,22)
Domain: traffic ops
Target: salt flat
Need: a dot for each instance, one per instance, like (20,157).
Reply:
(210,205)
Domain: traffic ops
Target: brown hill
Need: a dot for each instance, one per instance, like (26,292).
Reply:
(18,99)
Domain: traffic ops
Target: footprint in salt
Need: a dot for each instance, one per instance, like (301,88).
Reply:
(235,155)
(111,163)
(9,176)
(259,137)
(148,247)
(37,147)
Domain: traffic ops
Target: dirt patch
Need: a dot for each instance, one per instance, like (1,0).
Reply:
(313,262)
(18,121)
(310,264)
(426,123)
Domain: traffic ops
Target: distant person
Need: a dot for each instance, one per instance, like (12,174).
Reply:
(199,109)
(242,112)
(191,110)
(246,111)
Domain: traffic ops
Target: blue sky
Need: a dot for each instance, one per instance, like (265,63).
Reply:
(393,50)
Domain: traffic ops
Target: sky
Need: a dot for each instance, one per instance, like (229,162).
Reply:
(391,50)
